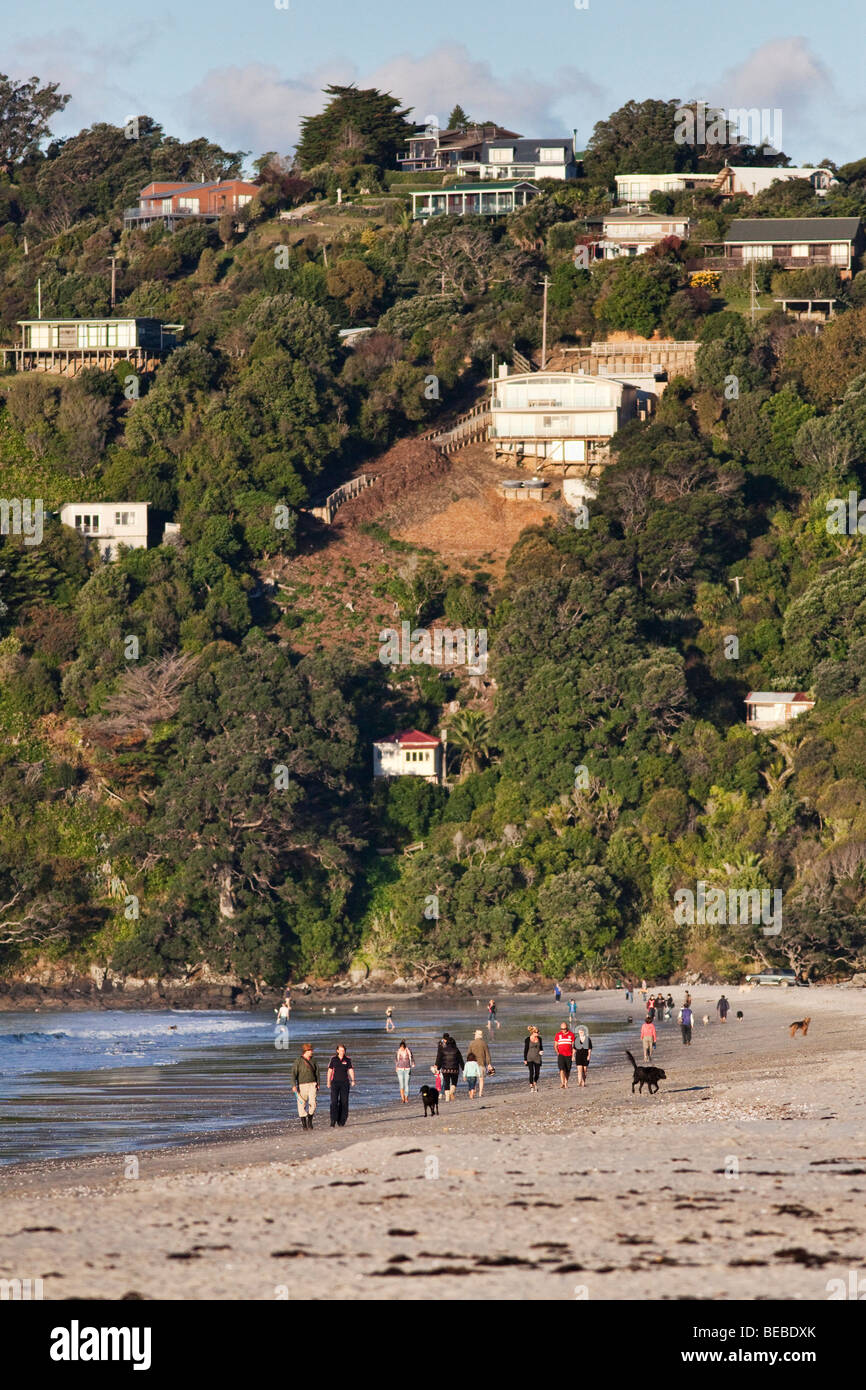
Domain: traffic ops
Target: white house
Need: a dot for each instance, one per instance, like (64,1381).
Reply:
(522,159)
(633,233)
(567,417)
(635,189)
(773,709)
(109,524)
(743,178)
(411,754)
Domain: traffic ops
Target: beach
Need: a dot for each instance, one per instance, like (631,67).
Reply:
(743,1178)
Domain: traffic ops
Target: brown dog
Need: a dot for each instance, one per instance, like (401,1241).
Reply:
(802,1026)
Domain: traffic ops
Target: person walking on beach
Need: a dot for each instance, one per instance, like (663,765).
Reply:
(557,994)
(449,1061)
(643,989)
(284,1013)
(648,1038)
(471,1070)
(687,1002)
(572,1012)
(389,1022)
(686,1025)
(533,1051)
(582,1052)
(405,1062)
(341,1078)
(479,1046)
(305,1084)
(492,1020)
(629,991)
(722,1008)
(563,1045)
(669,1006)
(651,1009)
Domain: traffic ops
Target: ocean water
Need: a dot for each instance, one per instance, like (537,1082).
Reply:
(112,1081)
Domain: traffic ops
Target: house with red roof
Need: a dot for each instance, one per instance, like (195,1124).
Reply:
(411,754)
(173,204)
(773,709)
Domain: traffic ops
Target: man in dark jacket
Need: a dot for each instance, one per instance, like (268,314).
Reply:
(305,1084)
(449,1061)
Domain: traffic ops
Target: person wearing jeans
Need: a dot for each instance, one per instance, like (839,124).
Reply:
(405,1062)
(648,1038)
(305,1084)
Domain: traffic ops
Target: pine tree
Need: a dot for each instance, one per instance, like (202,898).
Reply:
(357,126)
(458,120)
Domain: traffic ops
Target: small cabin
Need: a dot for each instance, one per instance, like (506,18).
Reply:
(773,709)
(66,346)
(108,525)
(411,754)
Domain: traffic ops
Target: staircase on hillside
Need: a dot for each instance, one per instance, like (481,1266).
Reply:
(468,428)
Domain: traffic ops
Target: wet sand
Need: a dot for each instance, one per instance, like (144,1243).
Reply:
(744,1177)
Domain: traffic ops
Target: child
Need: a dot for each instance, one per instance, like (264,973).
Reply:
(471,1073)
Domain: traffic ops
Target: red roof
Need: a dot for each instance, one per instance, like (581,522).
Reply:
(414,738)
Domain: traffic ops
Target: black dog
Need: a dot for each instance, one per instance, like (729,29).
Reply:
(430,1097)
(645,1076)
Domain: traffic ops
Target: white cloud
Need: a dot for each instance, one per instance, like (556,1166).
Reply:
(781,73)
(92,73)
(253,107)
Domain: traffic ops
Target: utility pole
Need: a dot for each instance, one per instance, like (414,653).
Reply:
(113,260)
(753,303)
(546,282)
(39,298)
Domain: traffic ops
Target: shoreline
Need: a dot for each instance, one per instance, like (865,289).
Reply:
(744,1178)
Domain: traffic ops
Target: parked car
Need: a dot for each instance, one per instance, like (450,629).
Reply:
(776,977)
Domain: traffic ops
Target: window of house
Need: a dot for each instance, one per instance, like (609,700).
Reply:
(550,154)
(78,521)
(839,253)
(124,518)
(501,156)
(800,249)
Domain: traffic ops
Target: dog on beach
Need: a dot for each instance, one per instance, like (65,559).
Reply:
(801,1026)
(430,1097)
(706,1018)
(739,1015)
(645,1076)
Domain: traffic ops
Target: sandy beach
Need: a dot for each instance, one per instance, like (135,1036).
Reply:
(743,1178)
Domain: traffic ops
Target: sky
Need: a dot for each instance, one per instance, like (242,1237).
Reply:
(244,73)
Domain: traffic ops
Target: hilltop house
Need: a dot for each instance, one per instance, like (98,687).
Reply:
(411,754)
(793,242)
(173,204)
(632,233)
(634,190)
(565,417)
(522,159)
(66,346)
(482,199)
(445,149)
(773,709)
(108,524)
(744,178)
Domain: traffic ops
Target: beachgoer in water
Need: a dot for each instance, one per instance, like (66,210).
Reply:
(563,1045)
(284,1013)
(582,1052)
(533,1051)
(491,1015)
(722,1008)
(686,1025)
(449,1060)
(389,1022)
(405,1062)
(341,1078)
(305,1084)
(648,1038)
(482,1057)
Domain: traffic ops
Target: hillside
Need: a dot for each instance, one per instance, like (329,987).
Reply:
(186,765)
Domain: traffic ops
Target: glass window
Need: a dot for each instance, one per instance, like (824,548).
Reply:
(501,156)
(550,154)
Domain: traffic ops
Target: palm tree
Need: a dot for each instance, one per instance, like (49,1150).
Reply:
(469,731)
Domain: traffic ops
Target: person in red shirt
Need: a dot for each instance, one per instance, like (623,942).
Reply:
(648,1038)
(564,1044)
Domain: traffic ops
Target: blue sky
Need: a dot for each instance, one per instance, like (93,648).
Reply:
(244,74)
